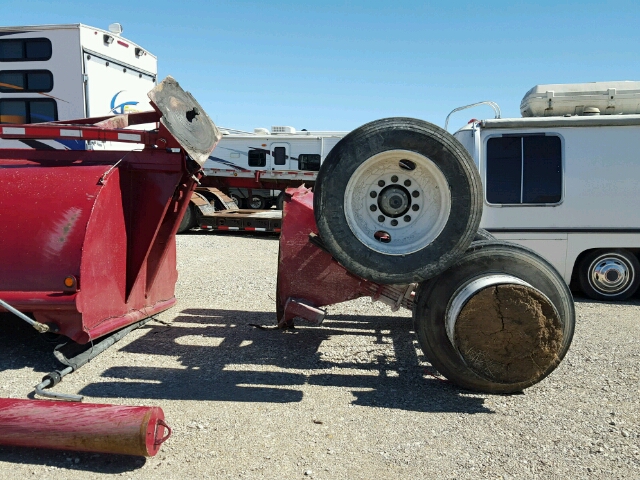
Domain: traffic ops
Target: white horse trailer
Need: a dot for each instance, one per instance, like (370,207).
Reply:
(567,185)
(277,150)
(65,72)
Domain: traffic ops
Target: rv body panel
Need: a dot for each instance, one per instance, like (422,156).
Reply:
(90,77)
(598,202)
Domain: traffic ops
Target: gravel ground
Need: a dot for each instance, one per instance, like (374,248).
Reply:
(353,399)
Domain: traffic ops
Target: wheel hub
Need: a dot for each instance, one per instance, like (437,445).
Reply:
(610,275)
(394,201)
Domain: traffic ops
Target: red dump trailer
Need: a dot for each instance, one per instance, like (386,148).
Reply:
(87,238)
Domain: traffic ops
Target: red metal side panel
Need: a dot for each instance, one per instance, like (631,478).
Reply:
(107,218)
(43,217)
(306,272)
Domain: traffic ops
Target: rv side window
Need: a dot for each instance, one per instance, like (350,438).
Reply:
(309,161)
(25,49)
(27,110)
(280,156)
(257,158)
(21,81)
(524,169)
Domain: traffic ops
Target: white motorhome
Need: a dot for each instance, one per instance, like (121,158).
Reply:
(563,180)
(64,72)
(279,149)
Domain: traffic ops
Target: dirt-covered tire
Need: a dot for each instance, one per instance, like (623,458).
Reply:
(189,219)
(610,275)
(507,269)
(397,201)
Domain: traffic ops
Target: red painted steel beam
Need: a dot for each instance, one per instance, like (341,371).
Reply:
(82,427)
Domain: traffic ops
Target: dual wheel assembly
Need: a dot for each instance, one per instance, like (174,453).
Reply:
(398,201)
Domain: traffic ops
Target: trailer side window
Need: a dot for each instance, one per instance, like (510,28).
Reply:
(257,158)
(280,156)
(309,161)
(524,169)
(25,49)
(22,81)
(26,110)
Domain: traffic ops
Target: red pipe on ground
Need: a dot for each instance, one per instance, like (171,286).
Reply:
(82,427)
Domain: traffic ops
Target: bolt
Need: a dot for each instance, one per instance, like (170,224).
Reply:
(394,223)
(407,218)
(381,218)
(373,194)
(381,183)
(394,179)
(415,194)
(407,183)
(415,207)
(373,208)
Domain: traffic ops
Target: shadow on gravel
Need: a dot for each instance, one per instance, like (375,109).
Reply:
(62,462)
(223,358)
(21,346)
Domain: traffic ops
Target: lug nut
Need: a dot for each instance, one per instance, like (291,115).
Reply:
(381,183)
(407,218)
(394,223)
(373,208)
(394,179)
(415,207)
(373,194)
(415,194)
(381,218)
(407,183)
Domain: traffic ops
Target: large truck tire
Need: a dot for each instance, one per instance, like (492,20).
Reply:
(610,275)
(189,220)
(497,321)
(397,201)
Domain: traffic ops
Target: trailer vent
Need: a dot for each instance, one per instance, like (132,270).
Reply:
(283,130)
(261,131)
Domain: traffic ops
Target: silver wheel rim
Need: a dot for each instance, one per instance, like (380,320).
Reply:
(397,202)
(256,202)
(610,274)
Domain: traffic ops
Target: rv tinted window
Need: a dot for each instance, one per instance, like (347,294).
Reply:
(28,111)
(25,49)
(542,170)
(524,169)
(20,81)
(309,161)
(280,156)
(257,158)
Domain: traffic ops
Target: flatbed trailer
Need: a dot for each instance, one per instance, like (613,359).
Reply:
(245,220)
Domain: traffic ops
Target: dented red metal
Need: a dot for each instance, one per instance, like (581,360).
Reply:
(82,427)
(309,277)
(107,218)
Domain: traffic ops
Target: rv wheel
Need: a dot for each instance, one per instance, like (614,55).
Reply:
(611,275)
(397,201)
(498,321)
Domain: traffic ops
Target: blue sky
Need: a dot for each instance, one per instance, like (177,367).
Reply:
(334,65)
